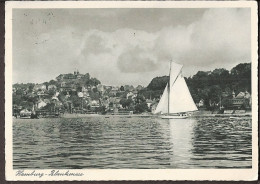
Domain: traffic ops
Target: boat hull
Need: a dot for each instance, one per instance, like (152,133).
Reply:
(174,117)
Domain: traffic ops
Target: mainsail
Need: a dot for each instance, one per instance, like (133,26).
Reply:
(176,97)
(162,106)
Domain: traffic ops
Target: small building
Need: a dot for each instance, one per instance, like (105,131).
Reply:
(139,87)
(129,88)
(52,87)
(153,107)
(200,103)
(41,94)
(242,100)
(132,94)
(100,88)
(105,103)
(25,113)
(85,94)
(66,87)
(149,102)
(129,95)
(113,91)
(47,101)
(57,93)
(84,89)
(60,77)
(54,99)
(94,103)
(117,103)
(38,87)
(41,104)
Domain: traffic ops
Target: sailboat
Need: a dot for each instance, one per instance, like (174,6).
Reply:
(176,100)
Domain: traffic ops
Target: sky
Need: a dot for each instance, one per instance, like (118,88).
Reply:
(127,46)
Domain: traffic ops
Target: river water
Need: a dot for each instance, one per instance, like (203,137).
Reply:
(133,143)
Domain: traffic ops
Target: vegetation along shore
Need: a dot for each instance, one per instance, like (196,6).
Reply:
(217,92)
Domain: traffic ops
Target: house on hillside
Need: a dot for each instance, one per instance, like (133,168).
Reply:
(100,88)
(41,104)
(131,94)
(105,103)
(139,87)
(241,101)
(52,87)
(38,87)
(84,89)
(129,88)
(85,94)
(94,103)
(66,87)
(113,91)
(41,94)
(200,103)
(69,77)
(153,106)
(149,102)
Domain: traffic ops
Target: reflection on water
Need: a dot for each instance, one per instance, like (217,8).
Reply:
(181,138)
(117,142)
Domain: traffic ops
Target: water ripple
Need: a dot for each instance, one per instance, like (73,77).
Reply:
(139,143)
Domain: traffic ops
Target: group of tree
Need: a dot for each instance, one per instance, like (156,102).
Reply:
(208,86)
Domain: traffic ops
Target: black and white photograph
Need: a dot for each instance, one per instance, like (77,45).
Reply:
(131,91)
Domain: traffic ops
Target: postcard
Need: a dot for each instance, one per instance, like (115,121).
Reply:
(131,90)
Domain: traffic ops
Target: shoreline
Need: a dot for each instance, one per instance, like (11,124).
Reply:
(151,115)
(195,115)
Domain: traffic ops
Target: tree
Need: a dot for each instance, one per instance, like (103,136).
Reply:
(86,76)
(53,82)
(102,109)
(30,88)
(111,104)
(140,99)
(95,90)
(95,82)
(19,92)
(76,101)
(158,83)
(123,102)
(17,99)
(141,107)
(122,88)
(129,102)
(51,92)
(79,89)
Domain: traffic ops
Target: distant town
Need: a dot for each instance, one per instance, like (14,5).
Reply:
(217,91)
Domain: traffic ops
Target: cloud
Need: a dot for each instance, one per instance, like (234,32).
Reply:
(136,60)
(220,38)
(94,44)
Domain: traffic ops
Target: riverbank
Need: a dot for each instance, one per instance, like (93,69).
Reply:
(210,114)
(198,114)
(106,115)
(195,114)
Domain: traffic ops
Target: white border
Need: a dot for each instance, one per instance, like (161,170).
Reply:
(134,174)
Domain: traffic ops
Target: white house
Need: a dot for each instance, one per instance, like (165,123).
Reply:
(41,104)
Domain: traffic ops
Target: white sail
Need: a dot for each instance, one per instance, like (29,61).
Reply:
(176,98)
(162,106)
(180,99)
(175,70)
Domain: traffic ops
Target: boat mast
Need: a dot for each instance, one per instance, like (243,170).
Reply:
(169,88)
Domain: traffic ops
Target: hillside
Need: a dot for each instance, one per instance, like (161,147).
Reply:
(208,86)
